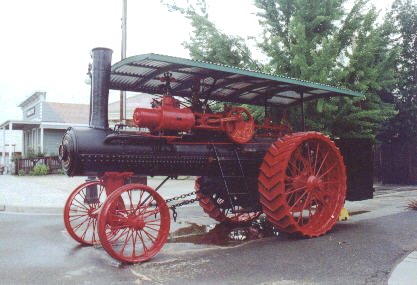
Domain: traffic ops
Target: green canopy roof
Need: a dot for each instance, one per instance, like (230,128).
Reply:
(141,73)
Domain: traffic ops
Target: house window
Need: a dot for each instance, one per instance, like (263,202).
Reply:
(30,112)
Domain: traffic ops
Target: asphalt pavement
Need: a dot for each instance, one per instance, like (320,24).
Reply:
(23,197)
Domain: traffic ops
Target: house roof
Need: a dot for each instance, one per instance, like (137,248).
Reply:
(69,113)
(143,73)
(132,102)
(39,95)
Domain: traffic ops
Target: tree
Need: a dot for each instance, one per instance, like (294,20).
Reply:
(208,43)
(404,125)
(317,41)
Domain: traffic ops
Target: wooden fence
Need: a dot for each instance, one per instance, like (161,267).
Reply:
(27,164)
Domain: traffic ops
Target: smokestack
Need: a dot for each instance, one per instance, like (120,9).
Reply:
(100,84)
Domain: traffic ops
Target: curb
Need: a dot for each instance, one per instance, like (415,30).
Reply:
(31,210)
(405,272)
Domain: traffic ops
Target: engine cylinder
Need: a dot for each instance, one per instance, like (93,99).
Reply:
(165,117)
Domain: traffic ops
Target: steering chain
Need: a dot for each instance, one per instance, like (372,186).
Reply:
(179,204)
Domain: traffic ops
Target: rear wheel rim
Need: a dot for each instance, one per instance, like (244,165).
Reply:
(302,184)
(219,214)
(311,181)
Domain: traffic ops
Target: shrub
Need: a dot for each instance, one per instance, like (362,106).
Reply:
(21,172)
(40,169)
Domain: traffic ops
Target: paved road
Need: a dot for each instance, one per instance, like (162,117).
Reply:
(35,249)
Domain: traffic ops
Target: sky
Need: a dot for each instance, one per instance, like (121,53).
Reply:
(45,44)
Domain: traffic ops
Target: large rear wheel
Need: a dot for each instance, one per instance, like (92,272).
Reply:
(302,184)
(211,208)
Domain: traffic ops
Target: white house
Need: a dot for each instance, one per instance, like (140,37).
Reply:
(44,124)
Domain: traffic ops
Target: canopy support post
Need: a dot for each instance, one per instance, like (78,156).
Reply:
(303,123)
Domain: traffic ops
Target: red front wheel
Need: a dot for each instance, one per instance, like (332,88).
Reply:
(81,211)
(134,223)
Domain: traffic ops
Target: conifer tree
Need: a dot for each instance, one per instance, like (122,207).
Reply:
(318,41)
(404,124)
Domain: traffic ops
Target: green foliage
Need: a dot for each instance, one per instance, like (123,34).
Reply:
(404,125)
(210,44)
(21,172)
(30,153)
(318,41)
(40,169)
(16,157)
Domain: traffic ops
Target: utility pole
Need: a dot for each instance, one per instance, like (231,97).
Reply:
(123,93)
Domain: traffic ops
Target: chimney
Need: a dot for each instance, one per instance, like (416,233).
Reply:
(100,84)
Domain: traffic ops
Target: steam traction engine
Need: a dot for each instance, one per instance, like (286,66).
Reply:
(297,179)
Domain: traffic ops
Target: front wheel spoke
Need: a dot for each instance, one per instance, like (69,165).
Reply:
(74,218)
(150,236)
(100,192)
(82,194)
(147,226)
(155,224)
(145,249)
(149,213)
(144,208)
(142,205)
(113,237)
(138,205)
(80,224)
(129,195)
(86,229)
(78,209)
(134,239)
(81,204)
(126,241)
(155,221)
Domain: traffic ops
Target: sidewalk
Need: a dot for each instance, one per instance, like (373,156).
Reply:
(48,194)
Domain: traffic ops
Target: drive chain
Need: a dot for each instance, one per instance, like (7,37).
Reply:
(179,204)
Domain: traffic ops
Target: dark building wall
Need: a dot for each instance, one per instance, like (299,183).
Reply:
(398,162)
(358,157)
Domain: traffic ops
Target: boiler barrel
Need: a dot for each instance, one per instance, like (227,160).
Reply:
(91,152)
